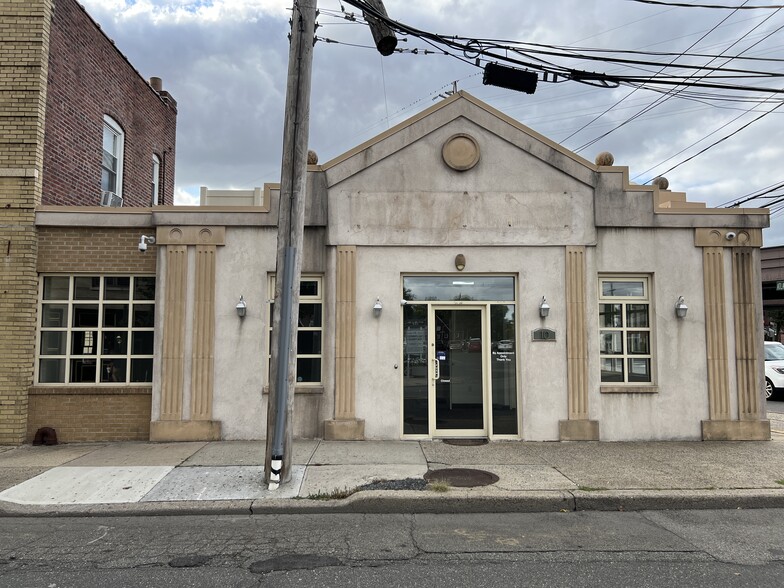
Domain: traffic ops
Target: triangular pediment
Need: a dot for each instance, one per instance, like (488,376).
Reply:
(499,139)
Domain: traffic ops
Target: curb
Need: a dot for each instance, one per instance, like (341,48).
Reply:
(417,502)
(631,500)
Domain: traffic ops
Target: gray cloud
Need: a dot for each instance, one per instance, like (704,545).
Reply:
(228,76)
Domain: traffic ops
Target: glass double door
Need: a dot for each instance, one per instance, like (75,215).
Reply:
(457,371)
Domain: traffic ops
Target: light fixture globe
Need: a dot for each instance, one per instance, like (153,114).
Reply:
(544,308)
(681,308)
(241,307)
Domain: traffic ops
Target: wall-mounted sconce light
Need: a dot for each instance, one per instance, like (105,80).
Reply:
(680,308)
(544,308)
(143,241)
(377,308)
(460,262)
(241,307)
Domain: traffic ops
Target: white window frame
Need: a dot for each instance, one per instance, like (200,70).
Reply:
(113,127)
(625,330)
(156,178)
(99,360)
(318,298)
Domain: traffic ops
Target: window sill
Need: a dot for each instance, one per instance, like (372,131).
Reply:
(300,390)
(629,389)
(89,390)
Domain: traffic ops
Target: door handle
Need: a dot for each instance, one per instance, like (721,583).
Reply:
(437,370)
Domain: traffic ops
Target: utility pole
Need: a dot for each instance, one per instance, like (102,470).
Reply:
(291,227)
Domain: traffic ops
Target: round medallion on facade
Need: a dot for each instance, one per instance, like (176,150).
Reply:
(205,235)
(460,152)
(175,235)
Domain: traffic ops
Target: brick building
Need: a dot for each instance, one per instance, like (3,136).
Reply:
(79,127)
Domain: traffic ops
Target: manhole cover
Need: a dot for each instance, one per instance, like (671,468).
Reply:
(466,442)
(462,477)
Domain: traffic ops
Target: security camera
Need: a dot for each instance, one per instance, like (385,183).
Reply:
(403,302)
(730,236)
(143,240)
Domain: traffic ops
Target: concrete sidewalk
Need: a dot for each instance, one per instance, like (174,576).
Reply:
(227,477)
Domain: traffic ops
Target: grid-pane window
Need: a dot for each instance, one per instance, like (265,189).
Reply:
(625,336)
(96,330)
(310,329)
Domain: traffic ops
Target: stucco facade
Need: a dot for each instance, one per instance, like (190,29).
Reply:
(462,225)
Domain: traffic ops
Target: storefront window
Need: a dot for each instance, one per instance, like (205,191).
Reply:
(86,332)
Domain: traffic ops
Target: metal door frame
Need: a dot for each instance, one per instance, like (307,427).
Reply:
(435,432)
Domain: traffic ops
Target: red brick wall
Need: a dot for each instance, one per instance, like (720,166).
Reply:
(89,77)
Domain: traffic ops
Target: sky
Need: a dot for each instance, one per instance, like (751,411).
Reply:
(225,62)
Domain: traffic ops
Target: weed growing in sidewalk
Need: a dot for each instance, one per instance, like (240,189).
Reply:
(438,486)
(334,495)
(406,484)
(780,482)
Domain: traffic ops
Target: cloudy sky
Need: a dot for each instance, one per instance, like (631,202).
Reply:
(225,63)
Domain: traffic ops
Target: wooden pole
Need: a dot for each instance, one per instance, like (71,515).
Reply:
(291,222)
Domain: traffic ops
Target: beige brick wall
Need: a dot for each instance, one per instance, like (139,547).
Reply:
(91,414)
(92,249)
(98,413)
(24,30)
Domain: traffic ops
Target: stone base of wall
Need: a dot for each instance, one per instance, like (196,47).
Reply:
(306,414)
(579,430)
(91,414)
(185,431)
(344,430)
(736,430)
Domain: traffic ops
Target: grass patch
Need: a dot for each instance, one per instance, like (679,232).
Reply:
(334,495)
(780,482)
(438,486)
(591,488)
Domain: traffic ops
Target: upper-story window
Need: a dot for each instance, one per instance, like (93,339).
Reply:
(112,162)
(156,178)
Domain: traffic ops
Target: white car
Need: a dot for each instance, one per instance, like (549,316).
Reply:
(774,368)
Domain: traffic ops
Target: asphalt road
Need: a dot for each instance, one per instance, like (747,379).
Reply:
(775,410)
(662,548)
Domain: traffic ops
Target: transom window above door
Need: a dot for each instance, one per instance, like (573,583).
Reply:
(458,288)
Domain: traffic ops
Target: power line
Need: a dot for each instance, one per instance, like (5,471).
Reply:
(740,115)
(654,104)
(735,132)
(475,51)
(719,6)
